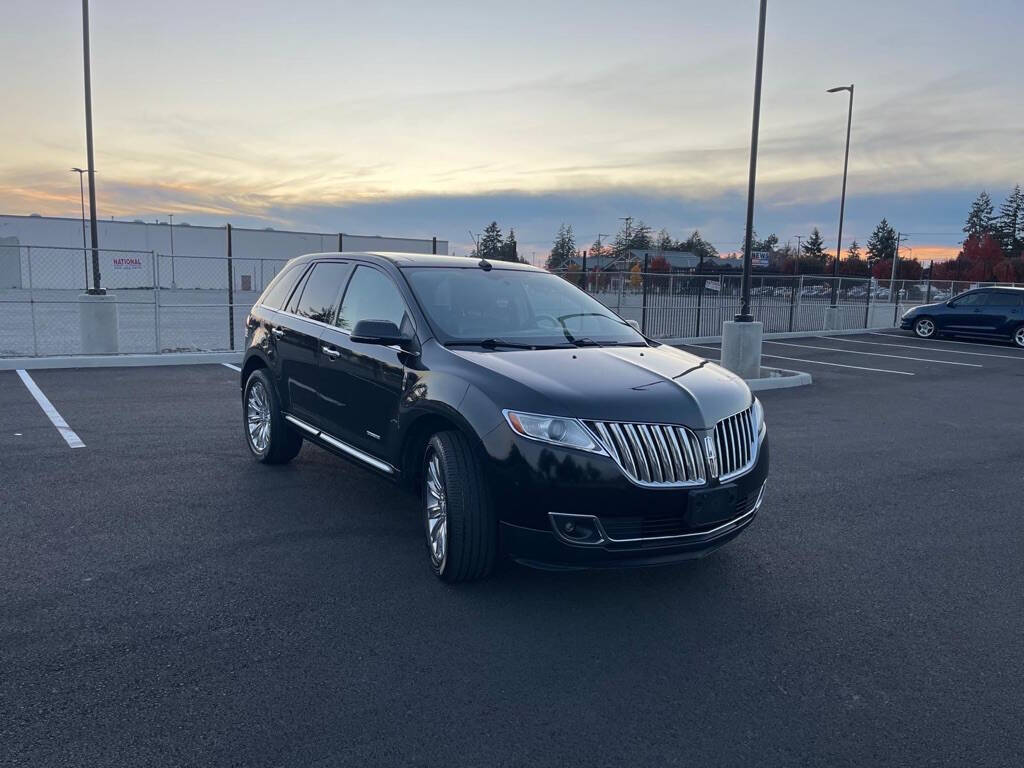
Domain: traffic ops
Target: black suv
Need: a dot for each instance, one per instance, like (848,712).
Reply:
(993,313)
(533,421)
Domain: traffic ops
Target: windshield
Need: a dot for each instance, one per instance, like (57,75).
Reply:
(469,304)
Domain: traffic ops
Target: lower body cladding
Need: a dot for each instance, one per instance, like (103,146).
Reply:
(565,509)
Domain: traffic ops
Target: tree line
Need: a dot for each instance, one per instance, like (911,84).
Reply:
(493,246)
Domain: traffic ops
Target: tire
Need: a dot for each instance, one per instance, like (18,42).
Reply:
(279,443)
(1018,336)
(925,328)
(457,510)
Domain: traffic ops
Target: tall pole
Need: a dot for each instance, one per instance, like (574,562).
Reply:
(96,286)
(744,316)
(895,261)
(81,193)
(842,199)
(170,218)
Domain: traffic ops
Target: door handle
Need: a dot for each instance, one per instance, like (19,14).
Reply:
(278,332)
(331,352)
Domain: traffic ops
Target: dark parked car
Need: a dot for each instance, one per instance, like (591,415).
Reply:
(532,421)
(994,313)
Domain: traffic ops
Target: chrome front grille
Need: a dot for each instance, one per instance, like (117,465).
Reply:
(735,444)
(660,455)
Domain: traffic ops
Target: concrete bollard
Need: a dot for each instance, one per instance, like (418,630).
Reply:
(741,348)
(98,315)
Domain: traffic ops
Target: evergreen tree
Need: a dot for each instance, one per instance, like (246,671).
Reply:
(641,239)
(698,246)
(979,219)
(563,250)
(814,247)
(757,244)
(853,252)
(491,243)
(623,239)
(665,241)
(1010,224)
(510,249)
(882,243)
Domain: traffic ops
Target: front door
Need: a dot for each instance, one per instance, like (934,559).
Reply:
(361,384)
(965,314)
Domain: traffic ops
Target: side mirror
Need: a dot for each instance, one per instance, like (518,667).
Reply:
(382,332)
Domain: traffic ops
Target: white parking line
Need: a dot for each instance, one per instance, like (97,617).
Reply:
(911,346)
(874,354)
(816,362)
(232,367)
(906,337)
(66,432)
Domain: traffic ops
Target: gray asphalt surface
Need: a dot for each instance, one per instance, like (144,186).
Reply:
(167,601)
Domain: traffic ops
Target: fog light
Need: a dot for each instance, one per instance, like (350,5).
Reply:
(577,529)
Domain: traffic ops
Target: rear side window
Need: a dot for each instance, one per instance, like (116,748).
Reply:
(320,294)
(280,287)
(372,295)
(998,299)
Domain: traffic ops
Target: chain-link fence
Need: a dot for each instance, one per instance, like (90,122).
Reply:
(191,303)
(165,303)
(668,305)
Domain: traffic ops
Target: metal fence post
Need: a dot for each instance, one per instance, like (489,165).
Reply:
(792,303)
(928,289)
(32,305)
(156,299)
(867,306)
(231,297)
(618,301)
(700,300)
(643,298)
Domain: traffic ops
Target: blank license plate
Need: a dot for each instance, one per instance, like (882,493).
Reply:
(711,506)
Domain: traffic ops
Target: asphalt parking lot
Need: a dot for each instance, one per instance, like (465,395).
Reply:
(167,601)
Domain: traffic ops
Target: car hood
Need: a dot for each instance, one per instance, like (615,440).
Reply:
(644,384)
(924,308)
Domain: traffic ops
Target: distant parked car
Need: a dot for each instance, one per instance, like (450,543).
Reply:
(983,313)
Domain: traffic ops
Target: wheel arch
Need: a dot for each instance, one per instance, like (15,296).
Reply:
(422,426)
(252,363)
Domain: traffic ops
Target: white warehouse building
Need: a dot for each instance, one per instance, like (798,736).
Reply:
(46,252)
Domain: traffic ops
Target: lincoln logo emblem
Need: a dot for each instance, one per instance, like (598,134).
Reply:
(709,450)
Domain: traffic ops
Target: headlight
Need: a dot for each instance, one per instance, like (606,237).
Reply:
(758,414)
(558,430)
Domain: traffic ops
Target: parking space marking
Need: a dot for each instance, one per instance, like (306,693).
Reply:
(905,337)
(911,346)
(816,362)
(874,354)
(232,367)
(66,432)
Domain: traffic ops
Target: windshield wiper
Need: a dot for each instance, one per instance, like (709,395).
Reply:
(495,343)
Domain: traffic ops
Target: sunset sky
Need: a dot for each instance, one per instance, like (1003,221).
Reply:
(413,118)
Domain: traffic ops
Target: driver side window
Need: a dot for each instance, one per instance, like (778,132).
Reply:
(970,300)
(371,295)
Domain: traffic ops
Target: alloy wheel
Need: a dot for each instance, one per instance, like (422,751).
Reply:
(1018,337)
(257,416)
(436,500)
(925,327)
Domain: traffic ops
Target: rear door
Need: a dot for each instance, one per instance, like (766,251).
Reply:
(1002,312)
(361,384)
(297,333)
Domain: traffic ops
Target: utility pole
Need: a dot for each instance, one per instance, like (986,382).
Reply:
(895,261)
(96,285)
(842,199)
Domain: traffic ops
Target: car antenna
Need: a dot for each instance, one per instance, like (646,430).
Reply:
(484,264)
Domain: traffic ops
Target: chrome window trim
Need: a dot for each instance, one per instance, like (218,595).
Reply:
(342,446)
(293,316)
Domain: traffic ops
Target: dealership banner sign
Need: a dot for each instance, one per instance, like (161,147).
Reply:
(127,261)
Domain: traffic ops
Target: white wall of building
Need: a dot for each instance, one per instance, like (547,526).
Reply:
(54,247)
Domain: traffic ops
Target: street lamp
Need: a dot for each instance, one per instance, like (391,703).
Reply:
(96,288)
(81,192)
(842,199)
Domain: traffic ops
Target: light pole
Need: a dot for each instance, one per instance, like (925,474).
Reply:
(96,287)
(476,240)
(170,218)
(81,192)
(842,199)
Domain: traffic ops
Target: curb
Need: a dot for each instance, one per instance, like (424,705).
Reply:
(118,361)
(787,380)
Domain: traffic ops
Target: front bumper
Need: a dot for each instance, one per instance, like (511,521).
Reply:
(638,526)
(907,323)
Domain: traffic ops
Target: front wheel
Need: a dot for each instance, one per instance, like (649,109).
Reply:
(268,435)
(924,327)
(1018,337)
(460,525)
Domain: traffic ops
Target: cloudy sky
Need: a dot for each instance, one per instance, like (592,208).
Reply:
(416,118)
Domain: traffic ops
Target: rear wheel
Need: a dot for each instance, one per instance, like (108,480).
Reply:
(1018,336)
(924,327)
(270,438)
(459,523)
